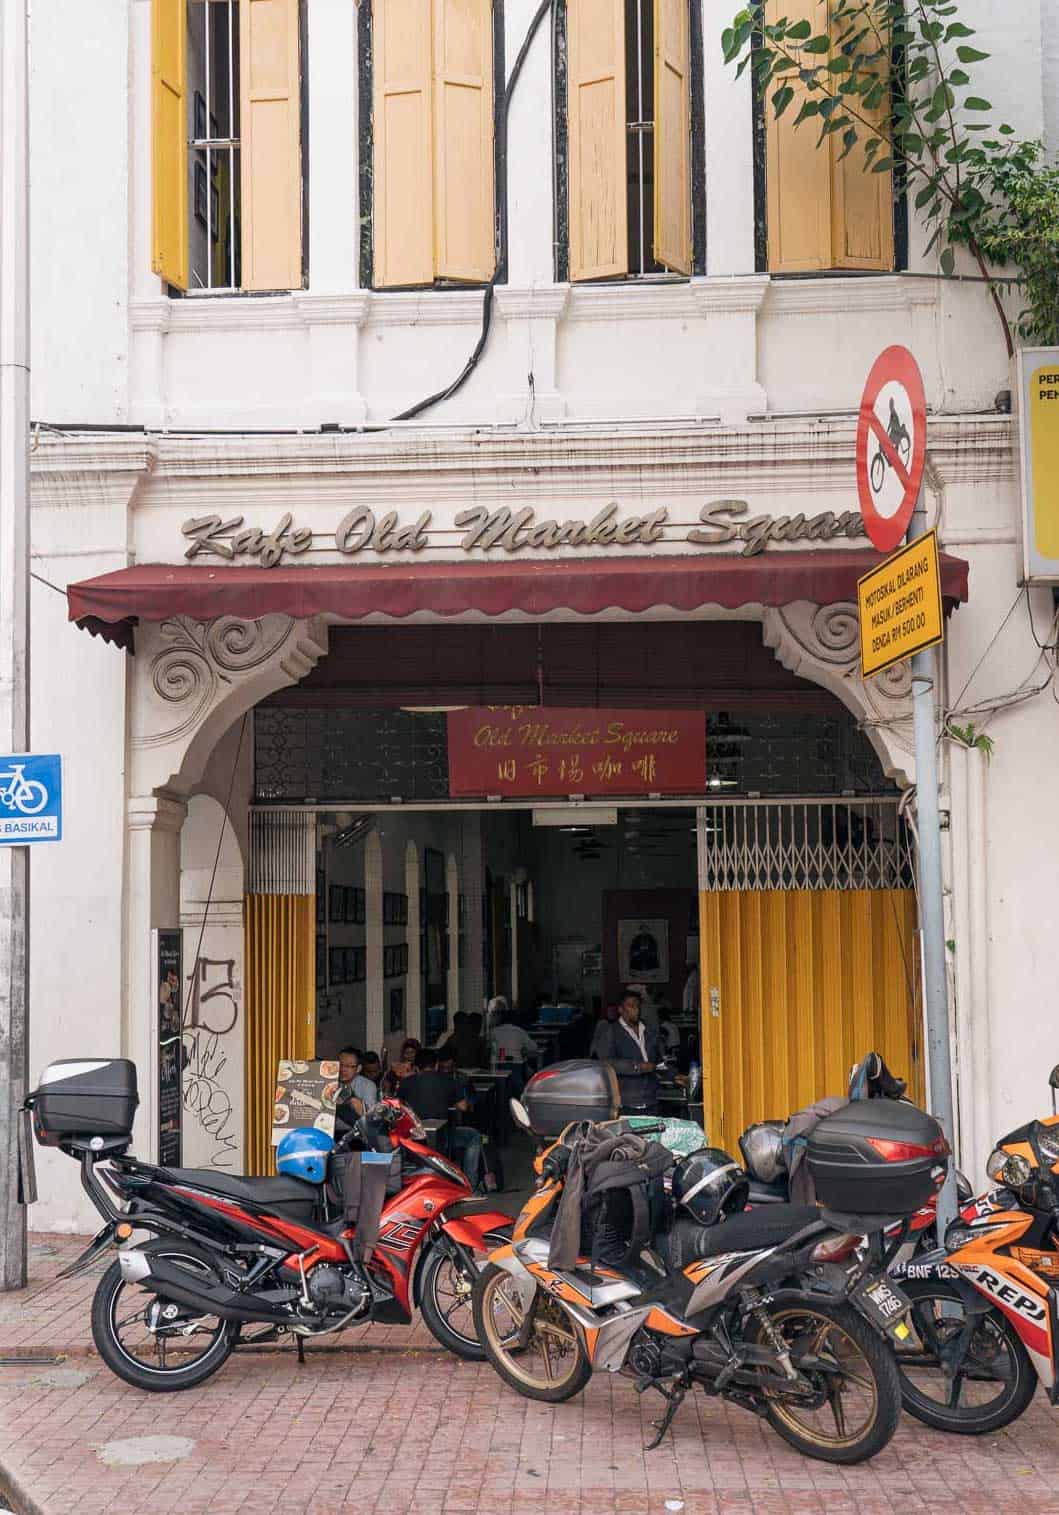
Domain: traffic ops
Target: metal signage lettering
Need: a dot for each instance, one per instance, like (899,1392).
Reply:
(511,530)
(522,752)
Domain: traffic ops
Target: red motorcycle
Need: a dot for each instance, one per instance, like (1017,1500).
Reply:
(229,1254)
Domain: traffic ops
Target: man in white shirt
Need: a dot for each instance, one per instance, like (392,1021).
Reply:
(511,1044)
(634,1052)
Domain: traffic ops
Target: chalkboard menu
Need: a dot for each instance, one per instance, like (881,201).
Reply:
(170,1046)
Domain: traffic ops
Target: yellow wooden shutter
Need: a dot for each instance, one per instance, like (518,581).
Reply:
(463,139)
(270,137)
(797,172)
(672,135)
(169,131)
(597,129)
(403,186)
(862,205)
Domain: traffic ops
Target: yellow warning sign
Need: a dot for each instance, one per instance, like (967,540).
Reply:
(1044,445)
(900,606)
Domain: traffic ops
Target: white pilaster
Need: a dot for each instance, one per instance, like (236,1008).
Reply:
(375,1020)
(531,318)
(413,1024)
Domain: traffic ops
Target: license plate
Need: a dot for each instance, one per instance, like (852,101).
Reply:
(885,1305)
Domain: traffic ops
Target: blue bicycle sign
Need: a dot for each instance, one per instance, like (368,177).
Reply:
(30,798)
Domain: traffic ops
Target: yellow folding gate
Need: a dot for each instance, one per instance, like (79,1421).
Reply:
(280,918)
(808,954)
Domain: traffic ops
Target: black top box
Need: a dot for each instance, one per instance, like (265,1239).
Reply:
(877,1157)
(85,1097)
(575,1090)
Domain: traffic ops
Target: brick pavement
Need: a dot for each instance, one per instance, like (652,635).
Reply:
(406,1427)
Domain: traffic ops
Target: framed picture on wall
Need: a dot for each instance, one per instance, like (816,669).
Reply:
(360,964)
(643,951)
(336,967)
(396,1009)
(335,904)
(349,906)
(349,964)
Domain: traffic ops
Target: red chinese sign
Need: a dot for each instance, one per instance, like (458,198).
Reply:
(523,751)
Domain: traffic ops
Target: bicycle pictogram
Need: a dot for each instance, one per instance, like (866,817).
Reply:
(28,796)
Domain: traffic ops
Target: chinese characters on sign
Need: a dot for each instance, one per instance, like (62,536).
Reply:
(529,751)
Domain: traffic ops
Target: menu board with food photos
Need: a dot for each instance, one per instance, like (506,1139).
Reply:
(305,1096)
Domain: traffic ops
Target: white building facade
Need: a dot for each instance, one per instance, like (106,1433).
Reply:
(663,403)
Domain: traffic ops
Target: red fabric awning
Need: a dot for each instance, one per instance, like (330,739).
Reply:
(112,603)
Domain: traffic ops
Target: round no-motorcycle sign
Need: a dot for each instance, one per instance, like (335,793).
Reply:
(891,446)
(31,808)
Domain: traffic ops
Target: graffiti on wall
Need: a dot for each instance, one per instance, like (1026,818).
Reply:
(213,1052)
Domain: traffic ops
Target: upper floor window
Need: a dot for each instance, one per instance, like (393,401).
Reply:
(432,183)
(227,144)
(823,211)
(629,99)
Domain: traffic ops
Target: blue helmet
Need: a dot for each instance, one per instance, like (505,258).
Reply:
(303,1154)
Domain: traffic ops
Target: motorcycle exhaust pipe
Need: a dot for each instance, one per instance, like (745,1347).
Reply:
(209,1298)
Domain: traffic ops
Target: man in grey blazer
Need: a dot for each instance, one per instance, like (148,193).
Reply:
(634,1051)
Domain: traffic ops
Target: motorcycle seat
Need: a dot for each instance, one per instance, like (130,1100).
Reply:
(762,1193)
(257,1191)
(766,1227)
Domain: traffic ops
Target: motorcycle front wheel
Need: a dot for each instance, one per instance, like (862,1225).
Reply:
(855,1403)
(151,1343)
(993,1382)
(445,1300)
(537,1350)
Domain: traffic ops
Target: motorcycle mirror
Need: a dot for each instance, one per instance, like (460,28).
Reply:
(1053,1079)
(520,1115)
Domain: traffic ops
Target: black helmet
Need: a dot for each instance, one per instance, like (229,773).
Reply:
(710,1185)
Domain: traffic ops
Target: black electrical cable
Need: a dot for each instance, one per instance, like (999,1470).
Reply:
(501,265)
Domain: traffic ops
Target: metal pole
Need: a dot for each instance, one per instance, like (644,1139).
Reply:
(14,597)
(931,903)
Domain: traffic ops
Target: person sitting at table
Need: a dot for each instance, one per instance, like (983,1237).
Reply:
(465,1045)
(355,1093)
(403,1067)
(515,1047)
(434,1095)
(371,1068)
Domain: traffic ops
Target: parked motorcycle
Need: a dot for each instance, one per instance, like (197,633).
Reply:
(781,1310)
(985,1307)
(227,1254)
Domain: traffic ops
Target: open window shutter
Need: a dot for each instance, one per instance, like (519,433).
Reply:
(463,139)
(169,130)
(862,205)
(403,187)
(270,137)
(599,243)
(672,135)
(797,172)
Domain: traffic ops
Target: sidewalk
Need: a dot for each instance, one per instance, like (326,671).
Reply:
(390,1422)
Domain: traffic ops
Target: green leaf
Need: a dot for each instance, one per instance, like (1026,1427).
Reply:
(799,31)
(809,108)
(975,102)
(925,194)
(957,29)
(948,262)
(781,99)
(970,55)
(957,76)
(821,44)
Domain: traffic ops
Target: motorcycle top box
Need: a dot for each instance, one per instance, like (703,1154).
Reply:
(877,1157)
(85,1097)
(576,1090)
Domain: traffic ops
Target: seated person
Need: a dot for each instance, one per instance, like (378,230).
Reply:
(434,1096)
(403,1067)
(465,1045)
(371,1068)
(355,1092)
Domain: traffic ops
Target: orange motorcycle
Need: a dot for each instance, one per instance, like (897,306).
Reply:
(985,1307)
(785,1311)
